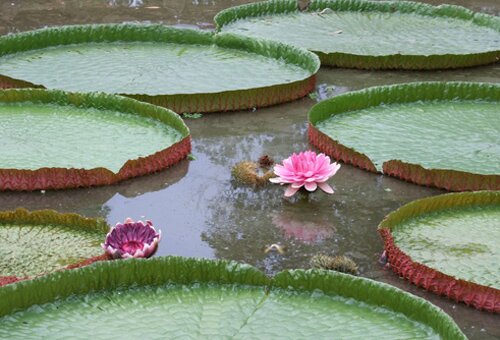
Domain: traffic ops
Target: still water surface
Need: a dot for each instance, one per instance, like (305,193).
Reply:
(203,213)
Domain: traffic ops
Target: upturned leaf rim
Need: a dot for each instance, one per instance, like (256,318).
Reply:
(66,178)
(448,179)
(389,61)
(135,273)
(229,100)
(472,294)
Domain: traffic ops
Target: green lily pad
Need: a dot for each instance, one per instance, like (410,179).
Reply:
(371,34)
(449,243)
(203,298)
(438,240)
(441,134)
(186,70)
(39,242)
(54,140)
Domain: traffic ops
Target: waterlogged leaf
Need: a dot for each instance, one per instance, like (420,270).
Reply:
(371,34)
(34,243)
(203,298)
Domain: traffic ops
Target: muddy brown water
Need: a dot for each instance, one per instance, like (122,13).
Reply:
(203,213)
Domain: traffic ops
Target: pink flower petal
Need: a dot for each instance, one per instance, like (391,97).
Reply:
(305,168)
(290,191)
(297,185)
(311,186)
(325,187)
(130,239)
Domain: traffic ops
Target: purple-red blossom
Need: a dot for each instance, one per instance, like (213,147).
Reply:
(132,239)
(306,169)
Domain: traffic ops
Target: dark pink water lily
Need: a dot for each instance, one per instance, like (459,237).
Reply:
(306,169)
(132,239)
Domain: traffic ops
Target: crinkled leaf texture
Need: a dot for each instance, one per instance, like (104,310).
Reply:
(396,129)
(199,297)
(465,248)
(39,242)
(162,120)
(373,34)
(162,65)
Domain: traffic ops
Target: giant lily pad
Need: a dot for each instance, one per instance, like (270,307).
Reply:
(39,242)
(185,70)
(448,244)
(55,140)
(202,298)
(438,134)
(371,34)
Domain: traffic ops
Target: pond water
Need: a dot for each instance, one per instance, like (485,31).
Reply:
(203,213)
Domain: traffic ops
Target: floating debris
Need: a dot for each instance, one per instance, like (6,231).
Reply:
(313,95)
(275,248)
(339,263)
(191,115)
(326,11)
(383,260)
(266,161)
(251,173)
(303,5)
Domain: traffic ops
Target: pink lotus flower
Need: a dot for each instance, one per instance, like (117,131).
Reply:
(132,239)
(305,170)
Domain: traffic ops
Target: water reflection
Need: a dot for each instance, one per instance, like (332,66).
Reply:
(242,221)
(18,15)
(92,201)
(486,6)
(241,227)
(295,226)
(345,80)
(129,3)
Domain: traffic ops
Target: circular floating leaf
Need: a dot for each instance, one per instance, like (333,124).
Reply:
(203,298)
(371,34)
(185,70)
(438,134)
(43,241)
(56,140)
(449,244)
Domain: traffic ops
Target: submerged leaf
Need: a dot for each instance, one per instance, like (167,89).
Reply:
(192,115)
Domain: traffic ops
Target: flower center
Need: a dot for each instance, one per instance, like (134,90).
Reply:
(309,174)
(131,246)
